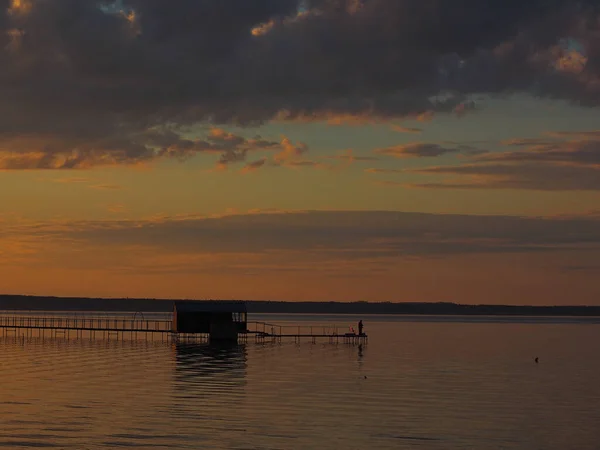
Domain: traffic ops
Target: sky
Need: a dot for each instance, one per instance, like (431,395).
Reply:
(345,150)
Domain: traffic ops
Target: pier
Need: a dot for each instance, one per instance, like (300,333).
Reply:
(167,327)
(333,334)
(82,325)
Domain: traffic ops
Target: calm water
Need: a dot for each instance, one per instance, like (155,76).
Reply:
(432,384)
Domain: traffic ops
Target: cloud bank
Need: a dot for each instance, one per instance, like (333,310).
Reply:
(560,165)
(559,161)
(300,255)
(86,84)
(349,233)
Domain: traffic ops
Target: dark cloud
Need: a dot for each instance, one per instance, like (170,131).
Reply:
(39,153)
(401,129)
(550,165)
(349,234)
(232,157)
(254,165)
(148,146)
(579,152)
(233,148)
(527,175)
(83,85)
(576,134)
(527,142)
(397,57)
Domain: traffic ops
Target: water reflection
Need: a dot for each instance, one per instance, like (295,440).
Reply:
(203,370)
(208,360)
(360,356)
(419,385)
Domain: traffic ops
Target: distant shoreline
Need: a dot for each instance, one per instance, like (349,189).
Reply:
(39,303)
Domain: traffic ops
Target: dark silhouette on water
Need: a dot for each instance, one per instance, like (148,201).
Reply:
(360,328)
(537,360)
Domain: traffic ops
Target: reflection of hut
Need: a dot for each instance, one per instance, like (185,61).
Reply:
(212,376)
(227,360)
(221,320)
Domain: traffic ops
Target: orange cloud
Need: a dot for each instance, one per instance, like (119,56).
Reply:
(263,28)
(425,117)
(417,150)
(289,151)
(19,7)
(373,170)
(570,61)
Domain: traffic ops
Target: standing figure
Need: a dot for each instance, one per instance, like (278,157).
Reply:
(360,328)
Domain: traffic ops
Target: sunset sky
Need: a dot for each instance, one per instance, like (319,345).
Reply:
(382,150)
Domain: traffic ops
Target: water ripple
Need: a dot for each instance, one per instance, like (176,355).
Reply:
(415,385)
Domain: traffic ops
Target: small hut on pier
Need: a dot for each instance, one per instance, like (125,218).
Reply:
(221,320)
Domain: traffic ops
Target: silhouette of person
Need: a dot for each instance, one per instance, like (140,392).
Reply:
(537,360)
(360,328)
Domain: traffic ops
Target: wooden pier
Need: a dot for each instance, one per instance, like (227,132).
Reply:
(334,334)
(122,326)
(83,325)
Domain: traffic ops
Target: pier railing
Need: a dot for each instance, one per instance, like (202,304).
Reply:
(86,322)
(155,324)
(264,331)
(269,329)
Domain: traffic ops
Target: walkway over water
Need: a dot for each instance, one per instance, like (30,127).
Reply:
(264,332)
(152,326)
